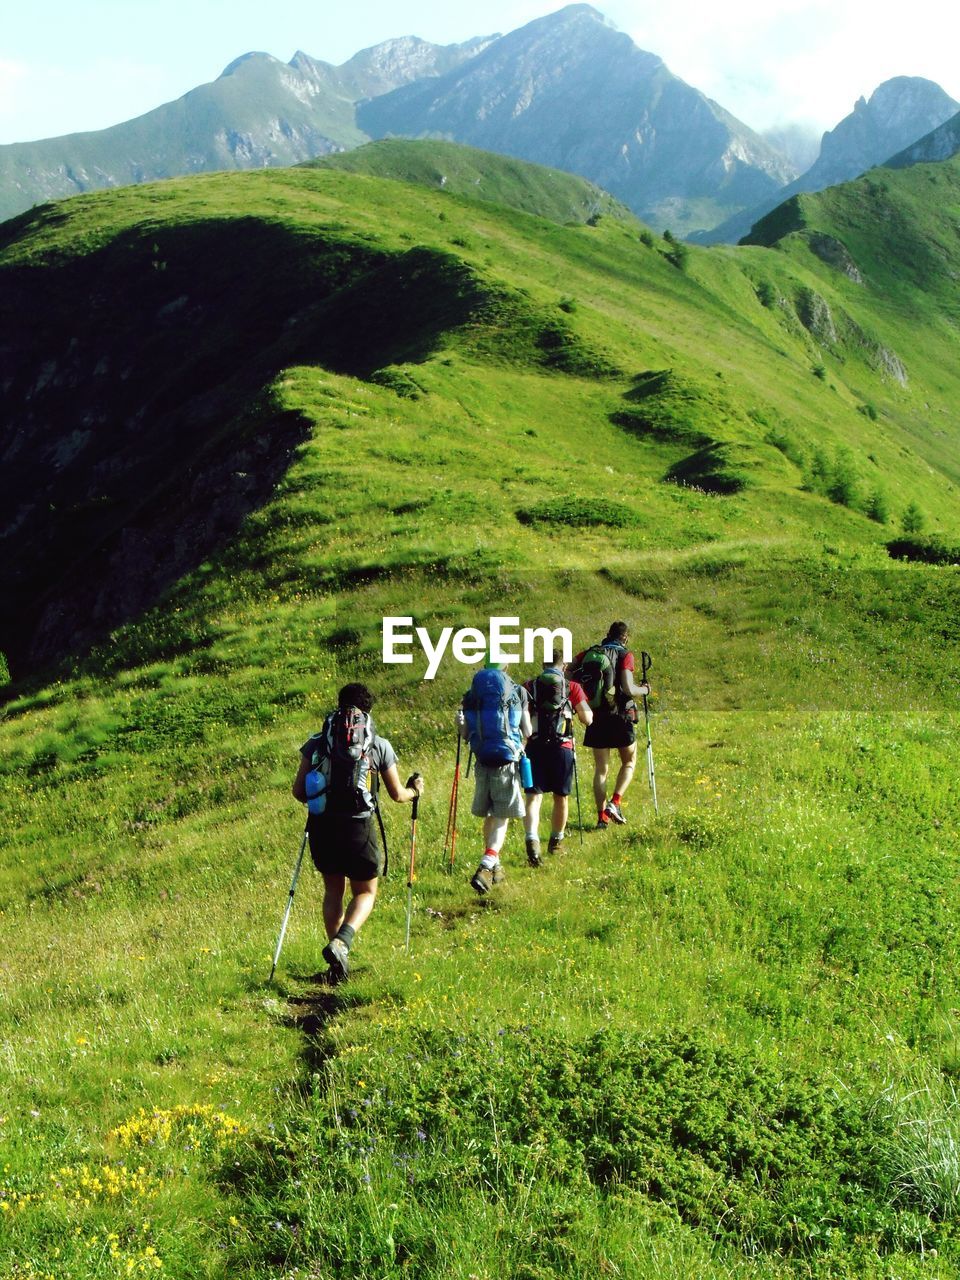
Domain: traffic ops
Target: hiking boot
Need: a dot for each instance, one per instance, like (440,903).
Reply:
(497,873)
(533,851)
(337,956)
(555,844)
(613,813)
(482,880)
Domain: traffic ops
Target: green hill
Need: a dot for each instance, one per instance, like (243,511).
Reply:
(247,417)
(479,175)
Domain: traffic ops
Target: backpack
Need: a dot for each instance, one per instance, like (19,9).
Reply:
(343,756)
(597,674)
(550,694)
(492,708)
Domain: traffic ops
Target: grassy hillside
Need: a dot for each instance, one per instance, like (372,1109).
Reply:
(719,1043)
(480,175)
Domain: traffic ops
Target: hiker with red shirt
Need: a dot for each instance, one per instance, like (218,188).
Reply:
(554,701)
(606,672)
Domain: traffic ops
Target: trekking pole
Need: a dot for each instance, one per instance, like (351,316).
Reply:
(576,782)
(451,837)
(413,851)
(646,663)
(286,914)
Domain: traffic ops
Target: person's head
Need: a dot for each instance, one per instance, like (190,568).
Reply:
(618,632)
(554,658)
(355,695)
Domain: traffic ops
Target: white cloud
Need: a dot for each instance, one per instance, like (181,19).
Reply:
(770,61)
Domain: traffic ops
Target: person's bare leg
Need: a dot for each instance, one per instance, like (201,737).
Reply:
(601,767)
(361,904)
(628,762)
(333,891)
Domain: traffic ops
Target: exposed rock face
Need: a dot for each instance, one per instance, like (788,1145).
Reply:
(572,92)
(940,144)
(899,111)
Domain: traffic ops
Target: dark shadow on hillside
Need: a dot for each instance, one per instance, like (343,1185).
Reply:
(138,427)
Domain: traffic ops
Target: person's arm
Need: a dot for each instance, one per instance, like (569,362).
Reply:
(526,724)
(628,685)
(397,790)
(584,712)
(299,782)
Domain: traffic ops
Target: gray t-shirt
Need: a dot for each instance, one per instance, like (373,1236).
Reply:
(381,754)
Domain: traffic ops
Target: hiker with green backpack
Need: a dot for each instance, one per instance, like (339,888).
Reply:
(494,718)
(338,779)
(605,671)
(554,701)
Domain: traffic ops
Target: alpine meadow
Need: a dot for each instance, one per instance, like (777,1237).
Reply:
(249,415)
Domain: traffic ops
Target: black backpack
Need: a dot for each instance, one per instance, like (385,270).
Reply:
(550,694)
(342,754)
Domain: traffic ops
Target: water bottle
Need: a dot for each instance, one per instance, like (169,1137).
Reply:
(526,772)
(316,787)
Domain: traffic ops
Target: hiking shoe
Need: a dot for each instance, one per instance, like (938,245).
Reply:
(337,956)
(533,851)
(497,873)
(482,880)
(602,822)
(555,844)
(613,813)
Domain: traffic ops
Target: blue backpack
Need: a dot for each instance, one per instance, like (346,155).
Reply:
(493,709)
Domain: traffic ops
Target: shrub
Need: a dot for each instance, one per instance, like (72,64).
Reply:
(927,550)
(578,513)
(766,294)
(913,519)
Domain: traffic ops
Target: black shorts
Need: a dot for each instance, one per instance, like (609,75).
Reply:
(609,730)
(342,846)
(552,766)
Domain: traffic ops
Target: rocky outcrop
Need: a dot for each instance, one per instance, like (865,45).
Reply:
(940,144)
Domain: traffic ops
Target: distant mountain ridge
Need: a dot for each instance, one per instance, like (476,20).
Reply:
(899,111)
(572,92)
(567,90)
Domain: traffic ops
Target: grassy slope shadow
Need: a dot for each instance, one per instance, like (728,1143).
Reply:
(139,429)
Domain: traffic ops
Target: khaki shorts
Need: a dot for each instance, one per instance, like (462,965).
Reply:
(497,791)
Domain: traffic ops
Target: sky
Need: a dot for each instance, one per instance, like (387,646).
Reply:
(67,66)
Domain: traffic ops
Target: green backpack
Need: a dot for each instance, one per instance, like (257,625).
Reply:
(597,675)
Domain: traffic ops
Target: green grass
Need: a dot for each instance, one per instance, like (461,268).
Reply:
(718,1043)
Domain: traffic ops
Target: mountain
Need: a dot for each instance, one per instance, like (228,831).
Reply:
(940,144)
(567,91)
(898,112)
(572,92)
(147,339)
(259,112)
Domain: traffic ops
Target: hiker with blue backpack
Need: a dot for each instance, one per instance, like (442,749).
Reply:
(554,702)
(605,671)
(338,779)
(495,720)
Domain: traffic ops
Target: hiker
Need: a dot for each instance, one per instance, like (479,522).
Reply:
(345,761)
(606,673)
(495,720)
(554,701)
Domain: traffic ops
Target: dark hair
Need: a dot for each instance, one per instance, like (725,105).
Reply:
(355,695)
(618,631)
